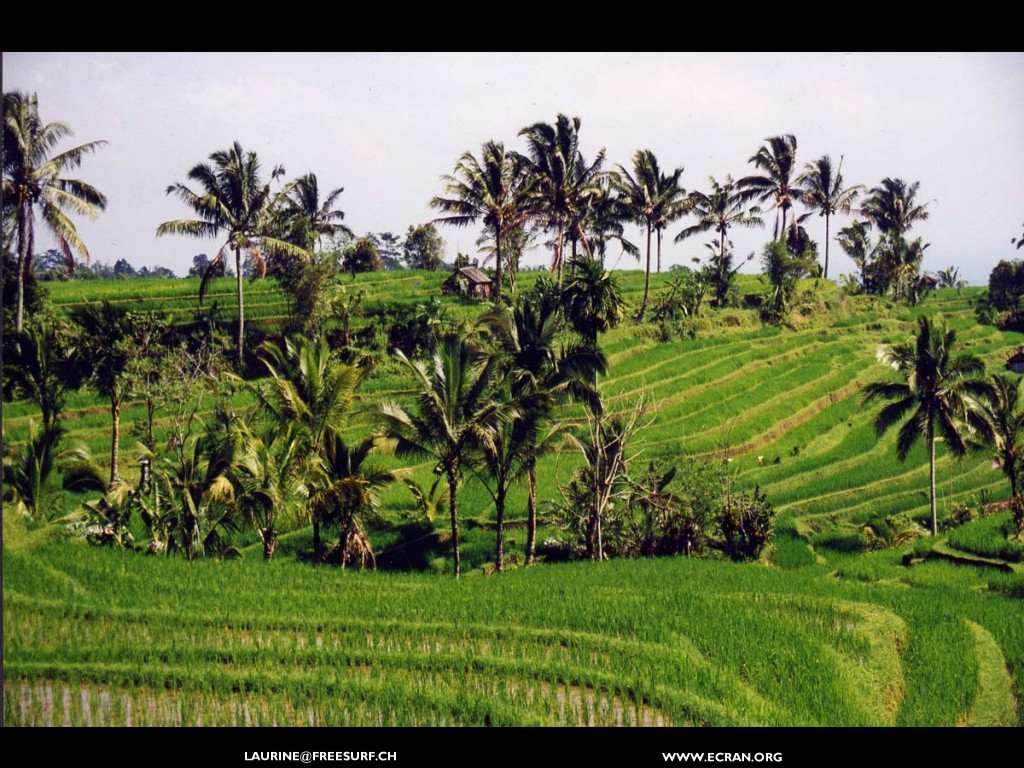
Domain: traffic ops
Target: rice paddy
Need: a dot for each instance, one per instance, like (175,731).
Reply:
(831,635)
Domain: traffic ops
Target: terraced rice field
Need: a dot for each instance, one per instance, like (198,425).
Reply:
(98,637)
(828,638)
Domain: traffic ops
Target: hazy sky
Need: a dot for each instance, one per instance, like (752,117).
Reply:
(387,126)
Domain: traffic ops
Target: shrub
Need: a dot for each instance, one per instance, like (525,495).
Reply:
(746,520)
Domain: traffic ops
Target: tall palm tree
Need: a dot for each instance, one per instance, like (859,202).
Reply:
(724,207)
(494,190)
(304,219)
(564,180)
(940,391)
(233,197)
(541,375)
(648,195)
(893,208)
(823,191)
(1005,415)
(777,160)
(455,414)
(33,177)
(674,204)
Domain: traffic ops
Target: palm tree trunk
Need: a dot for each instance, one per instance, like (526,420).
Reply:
(497,268)
(453,489)
(499,507)
(241,310)
(531,514)
(659,251)
(115,434)
(931,475)
(558,251)
(23,248)
(1010,467)
(594,527)
(826,246)
(647,276)
(269,537)
(318,544)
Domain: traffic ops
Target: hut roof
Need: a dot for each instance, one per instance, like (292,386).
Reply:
(474,275)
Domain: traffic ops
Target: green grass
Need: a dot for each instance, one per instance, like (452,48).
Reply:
(828,636)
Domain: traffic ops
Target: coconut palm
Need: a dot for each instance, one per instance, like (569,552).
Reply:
(232,197)
(1005,416)
(28,470)
(45,366)
(191,507)
(494,190)
(564,180)
(823,191)
(724,207)
(777,159)
(310,388)
(892,207)
(648,196)
(347,492)
(540,375)
(106,339)
(269,471)
(304,219)
(939,395)
(455,414)
(592,302)
(33,177)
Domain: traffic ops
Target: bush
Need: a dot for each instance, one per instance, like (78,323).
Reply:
(746,520)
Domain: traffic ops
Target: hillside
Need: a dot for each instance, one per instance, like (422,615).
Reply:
(828,636)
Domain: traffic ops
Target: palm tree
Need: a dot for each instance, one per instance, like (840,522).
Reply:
(106,336)
(592,301)
(722,208)
(233,197)
(892,207)
(455,414)
(823,192)
(45,366)
(348,491)
(541,375)
(648,196)
(778,161)
(192,506)
(310,388)
(494,190)
(33,177)
(1005,416)
(27,472)
(564,180)
(304,219)
(940,391)
(269,471)
(674,205)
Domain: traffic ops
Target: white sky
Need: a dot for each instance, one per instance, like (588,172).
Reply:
(387,126)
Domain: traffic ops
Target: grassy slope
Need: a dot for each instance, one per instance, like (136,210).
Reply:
(645,642)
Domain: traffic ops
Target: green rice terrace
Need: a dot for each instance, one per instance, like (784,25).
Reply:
(832,628)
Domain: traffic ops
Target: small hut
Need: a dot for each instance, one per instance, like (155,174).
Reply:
(468,281)
(1016,363)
